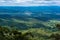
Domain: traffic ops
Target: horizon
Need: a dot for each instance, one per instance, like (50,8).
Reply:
(30,6)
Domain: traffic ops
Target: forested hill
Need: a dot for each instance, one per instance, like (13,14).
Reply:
(34,9)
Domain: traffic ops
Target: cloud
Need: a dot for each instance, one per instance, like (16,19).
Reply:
(28,13)
(29,2)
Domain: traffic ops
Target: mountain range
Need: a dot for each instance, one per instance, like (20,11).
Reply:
(28,17)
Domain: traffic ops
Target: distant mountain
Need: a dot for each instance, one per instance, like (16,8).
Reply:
(34,9)
(27,17)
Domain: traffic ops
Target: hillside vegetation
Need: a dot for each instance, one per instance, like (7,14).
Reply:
(50,31)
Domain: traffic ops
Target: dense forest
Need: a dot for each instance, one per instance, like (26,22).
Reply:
(30,34)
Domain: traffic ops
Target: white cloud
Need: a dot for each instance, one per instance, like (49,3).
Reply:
(28,13)
(30,2)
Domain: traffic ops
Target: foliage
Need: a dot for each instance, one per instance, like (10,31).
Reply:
(6,34)
(30,34)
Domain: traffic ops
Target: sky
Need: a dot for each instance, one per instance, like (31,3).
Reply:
(29,2)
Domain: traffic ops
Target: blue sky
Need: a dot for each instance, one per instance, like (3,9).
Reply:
(29,2)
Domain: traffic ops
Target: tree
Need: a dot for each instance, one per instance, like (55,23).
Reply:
(58,26)
(55,36)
